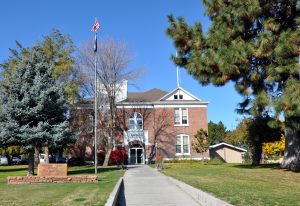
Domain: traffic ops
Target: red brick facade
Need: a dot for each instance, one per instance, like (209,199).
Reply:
(153,130)
(159,123)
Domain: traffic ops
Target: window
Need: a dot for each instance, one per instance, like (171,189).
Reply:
(90,124)
(180,116)
(135,121)
(176,96)
(182,145)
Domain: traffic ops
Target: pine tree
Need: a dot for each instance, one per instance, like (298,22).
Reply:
(255,44)
(33,105)
(216,132)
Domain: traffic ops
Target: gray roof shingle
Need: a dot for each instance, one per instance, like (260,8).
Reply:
(148,96)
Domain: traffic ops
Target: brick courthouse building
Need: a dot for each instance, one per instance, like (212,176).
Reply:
(156,122)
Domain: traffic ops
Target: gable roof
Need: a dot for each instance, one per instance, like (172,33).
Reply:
(148,96)
(228,145)
(165,97)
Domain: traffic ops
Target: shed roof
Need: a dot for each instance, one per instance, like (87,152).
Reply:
(228,145)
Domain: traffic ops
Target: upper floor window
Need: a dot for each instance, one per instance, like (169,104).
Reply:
(135,121)
(180,116)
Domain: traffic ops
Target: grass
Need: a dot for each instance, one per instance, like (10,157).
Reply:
(241,184)
(59,194)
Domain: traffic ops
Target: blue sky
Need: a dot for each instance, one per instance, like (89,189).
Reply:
(139,23)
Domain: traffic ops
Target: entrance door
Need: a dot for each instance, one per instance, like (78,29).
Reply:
(136,156)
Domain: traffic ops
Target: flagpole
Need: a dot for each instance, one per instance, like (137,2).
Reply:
(96,106)
(96,26)
(177,73)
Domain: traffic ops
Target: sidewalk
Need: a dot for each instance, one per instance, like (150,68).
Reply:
(145,186)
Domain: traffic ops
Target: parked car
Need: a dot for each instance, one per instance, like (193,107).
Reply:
(15,160)
(23,161)
(61,160)
(3,160)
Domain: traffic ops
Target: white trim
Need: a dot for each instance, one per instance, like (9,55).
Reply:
(160,106)
(180,105)
(180,117)
(135,106)
(181,125)
(179,88)
(186,158)
(135,119)
(136,157)
(131,135)
(229,145)
(181,139)
(146,105)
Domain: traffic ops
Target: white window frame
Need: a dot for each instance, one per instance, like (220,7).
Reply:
(135,118)
(181,144)
(180,116)
(90,124)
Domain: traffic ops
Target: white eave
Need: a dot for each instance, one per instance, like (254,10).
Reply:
(229,145)
(179,88)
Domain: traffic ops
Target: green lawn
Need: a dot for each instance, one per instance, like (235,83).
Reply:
(241,184)
(59,194)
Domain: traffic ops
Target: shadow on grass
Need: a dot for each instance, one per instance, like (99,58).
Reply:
(91,170)
(9,169)
(260,166)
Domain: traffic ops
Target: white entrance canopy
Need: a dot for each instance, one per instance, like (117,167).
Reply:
(136,135)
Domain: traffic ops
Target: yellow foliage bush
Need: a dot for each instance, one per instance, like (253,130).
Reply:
(274,148)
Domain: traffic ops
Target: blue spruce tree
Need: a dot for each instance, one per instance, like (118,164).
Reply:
(33,106)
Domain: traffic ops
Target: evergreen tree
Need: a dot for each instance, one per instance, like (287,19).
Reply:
(216,132)
(255,44)
(33,105)
(58,50)
(240,135)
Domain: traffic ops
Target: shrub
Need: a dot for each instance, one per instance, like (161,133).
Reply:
(118,156)
(214,161)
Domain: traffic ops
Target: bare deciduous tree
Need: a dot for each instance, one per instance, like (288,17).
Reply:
(113,59)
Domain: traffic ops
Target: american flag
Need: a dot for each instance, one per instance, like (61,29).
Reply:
(95,43)
(96,26)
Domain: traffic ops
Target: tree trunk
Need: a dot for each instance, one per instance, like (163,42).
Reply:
(291,159)
(36,156)
(47,155)
(107,156)
(110,140)
(30,171)
(256,153)
(109,149)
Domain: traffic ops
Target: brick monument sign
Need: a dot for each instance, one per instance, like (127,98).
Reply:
(51,173)
(46,170)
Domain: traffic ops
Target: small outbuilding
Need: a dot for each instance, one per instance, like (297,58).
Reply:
(227,152)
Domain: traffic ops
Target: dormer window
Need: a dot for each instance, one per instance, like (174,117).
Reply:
(175,96)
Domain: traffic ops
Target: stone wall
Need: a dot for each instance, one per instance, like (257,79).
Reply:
(57,179)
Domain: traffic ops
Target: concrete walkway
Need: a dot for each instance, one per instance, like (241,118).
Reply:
(145,186)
